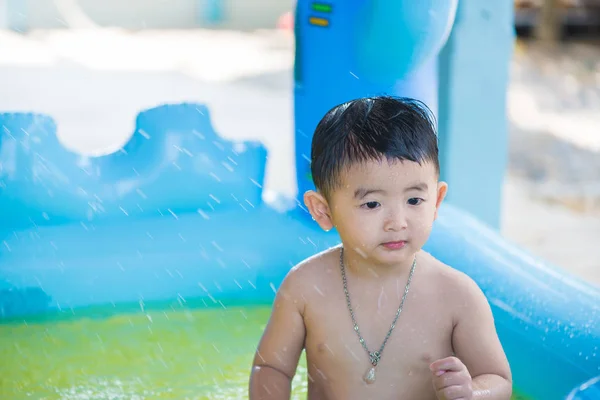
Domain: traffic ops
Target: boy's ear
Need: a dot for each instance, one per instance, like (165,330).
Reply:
(442,189)
(319,209)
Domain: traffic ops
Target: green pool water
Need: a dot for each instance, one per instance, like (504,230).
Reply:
(167,353)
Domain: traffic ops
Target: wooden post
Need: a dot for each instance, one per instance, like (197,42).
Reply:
(548,26)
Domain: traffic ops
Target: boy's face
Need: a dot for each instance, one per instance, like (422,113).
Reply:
(383,211)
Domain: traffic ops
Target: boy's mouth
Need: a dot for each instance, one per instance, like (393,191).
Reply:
(394,245)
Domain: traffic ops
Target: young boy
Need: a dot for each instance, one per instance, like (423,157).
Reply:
(379,318)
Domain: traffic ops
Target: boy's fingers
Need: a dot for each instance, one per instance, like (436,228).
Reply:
(446,364)
(449,379)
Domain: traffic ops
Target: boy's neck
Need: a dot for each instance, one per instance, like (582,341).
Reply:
(357,264)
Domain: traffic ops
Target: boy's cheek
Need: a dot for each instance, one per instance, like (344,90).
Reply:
(424,220)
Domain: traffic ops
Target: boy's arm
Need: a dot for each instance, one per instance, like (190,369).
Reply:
(477,346)
(281,345)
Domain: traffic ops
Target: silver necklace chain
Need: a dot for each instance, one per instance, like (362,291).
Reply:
(374,356)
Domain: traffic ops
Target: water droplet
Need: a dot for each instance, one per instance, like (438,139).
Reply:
(144,133)
(142,194)
(218,145)
(203,214)
(318,290)
(217,286)
(227,166)
(172,213)
(198,135)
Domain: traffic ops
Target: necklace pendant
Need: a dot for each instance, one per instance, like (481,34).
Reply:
(375,357)
(370,375)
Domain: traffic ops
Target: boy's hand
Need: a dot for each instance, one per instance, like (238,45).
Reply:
(451,379)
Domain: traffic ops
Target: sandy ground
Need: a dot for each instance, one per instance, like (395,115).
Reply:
(95,82)
(552,192)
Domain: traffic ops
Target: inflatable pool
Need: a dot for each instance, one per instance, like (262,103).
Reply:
(229,248)
(107,262)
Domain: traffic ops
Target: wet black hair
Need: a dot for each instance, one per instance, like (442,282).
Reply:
(371,128)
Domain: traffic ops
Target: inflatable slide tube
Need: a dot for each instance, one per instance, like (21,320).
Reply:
(354,48)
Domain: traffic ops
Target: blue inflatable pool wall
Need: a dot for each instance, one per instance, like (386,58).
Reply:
(45,184)
(178,213)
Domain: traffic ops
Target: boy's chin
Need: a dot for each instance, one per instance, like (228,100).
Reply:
(392,258)
(380,256)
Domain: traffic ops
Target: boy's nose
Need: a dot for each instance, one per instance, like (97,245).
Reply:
(395,222)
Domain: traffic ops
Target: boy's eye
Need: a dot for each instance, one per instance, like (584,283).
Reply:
(371,205)
(415,201)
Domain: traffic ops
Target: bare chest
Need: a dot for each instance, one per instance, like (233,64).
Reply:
(338,355)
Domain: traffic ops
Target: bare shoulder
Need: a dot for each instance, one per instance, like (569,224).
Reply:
(314,267)
(457,288)
(444,274)
(308,277)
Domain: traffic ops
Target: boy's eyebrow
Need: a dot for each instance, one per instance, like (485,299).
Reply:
(363,192)
(421,186)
